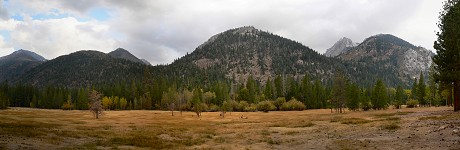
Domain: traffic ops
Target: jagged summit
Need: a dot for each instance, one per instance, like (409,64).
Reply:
(340,47)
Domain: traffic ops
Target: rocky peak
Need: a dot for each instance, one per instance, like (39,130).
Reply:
(340,47)
(246,30)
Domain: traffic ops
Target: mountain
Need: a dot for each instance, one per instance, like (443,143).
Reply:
(241,52)
(83,69)
(385,51)
(124,54)
(235,55)
(341,46)
(18,63)
(146,62)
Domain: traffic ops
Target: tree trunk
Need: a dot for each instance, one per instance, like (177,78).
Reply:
(456,95)
(97,114)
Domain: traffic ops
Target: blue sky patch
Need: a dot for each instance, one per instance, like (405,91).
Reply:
(6,35)
(100,14)
(17,17)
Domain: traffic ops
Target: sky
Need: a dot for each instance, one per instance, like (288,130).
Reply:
(161,31)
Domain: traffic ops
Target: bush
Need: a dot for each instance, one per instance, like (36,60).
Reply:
(242,106)
(67,106)
(412,103)
(293,104)
(214,108)
(234,105)
(366,106)
(251,108)
(279,102)
(265,106)
(186,107)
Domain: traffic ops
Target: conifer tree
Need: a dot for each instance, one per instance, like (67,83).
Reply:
(379,96)
(414,90)
(268,90)
(448,48)
(352,96)
(421,87)
(399,97)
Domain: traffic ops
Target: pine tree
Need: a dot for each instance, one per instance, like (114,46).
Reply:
(279,86)
(447,48)
(432,85)
(338,91)
(306,95)
(251,87)
(379,96)
(399,97)
(352,96)
(414,90)
(268,90)
(421,87)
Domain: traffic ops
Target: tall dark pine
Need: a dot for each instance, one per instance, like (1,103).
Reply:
(413,94)
(379,96)
(448,48)
(338,91)
(421,87)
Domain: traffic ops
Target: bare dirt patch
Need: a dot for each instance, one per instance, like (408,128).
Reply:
(415,128)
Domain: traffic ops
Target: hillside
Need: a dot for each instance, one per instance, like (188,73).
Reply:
(82,69)
(18,63)
(241,52)
(385,51)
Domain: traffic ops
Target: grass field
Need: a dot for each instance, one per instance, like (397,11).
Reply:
(416,128)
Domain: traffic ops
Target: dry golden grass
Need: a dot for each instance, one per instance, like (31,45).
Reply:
(23,128)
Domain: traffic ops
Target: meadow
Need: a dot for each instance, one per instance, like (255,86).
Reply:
(408,128)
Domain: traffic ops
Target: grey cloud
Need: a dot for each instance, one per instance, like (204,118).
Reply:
(162,30)
(3,11)
(177,27)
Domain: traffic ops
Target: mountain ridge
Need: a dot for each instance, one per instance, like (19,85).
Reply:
(235,55)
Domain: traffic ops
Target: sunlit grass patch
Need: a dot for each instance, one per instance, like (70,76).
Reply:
(26,128)
(304,125)
(392,126)
(354,121)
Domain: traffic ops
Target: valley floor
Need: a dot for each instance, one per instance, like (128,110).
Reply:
(409,128)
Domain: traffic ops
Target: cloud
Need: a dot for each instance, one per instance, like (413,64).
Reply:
(54,37)
(3,12)
(163,30)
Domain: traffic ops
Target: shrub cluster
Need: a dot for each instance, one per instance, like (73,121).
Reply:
(265,106)
(293,104)
(412,103)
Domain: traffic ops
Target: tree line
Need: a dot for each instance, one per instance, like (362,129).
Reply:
(284,92)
